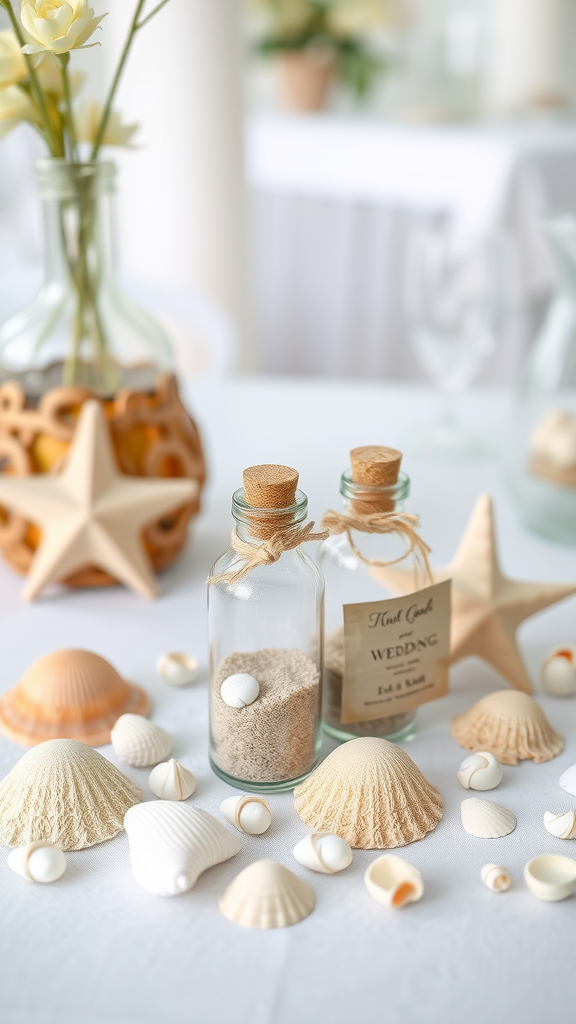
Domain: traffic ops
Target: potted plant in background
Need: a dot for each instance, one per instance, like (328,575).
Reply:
(81,337)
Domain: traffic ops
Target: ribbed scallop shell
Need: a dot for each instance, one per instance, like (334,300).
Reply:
(139,742)
(267,895)
(370,793)
(563,825)
(67,793)
(171,844)
(511,725)
(486,819)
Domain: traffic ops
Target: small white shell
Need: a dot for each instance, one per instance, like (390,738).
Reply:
(177,669)
(391,880)
(250,814)
(324,853)
(239,690)
(551,877)
(486,819)
(495,877)
(40,861)
(563,825)
(480,771)
(171,781)
(558,672)
(139,742)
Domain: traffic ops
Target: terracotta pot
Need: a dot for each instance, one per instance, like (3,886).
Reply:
(305,79)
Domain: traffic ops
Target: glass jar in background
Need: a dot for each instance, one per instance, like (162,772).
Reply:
(265,620)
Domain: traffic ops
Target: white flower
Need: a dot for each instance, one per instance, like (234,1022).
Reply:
(15,107)
(87,122)
(50,77)
(354,17)
(12,64)
(57,25)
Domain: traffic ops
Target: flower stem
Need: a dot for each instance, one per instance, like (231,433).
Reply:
(63,61)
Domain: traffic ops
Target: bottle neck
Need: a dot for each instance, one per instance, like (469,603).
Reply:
(256,525)
(364,499)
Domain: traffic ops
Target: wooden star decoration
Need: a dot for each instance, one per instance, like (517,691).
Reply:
(487,607)
(90,513)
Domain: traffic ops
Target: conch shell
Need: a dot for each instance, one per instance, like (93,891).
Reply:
(563,825)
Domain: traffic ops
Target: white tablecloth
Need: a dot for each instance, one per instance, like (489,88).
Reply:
(94,948)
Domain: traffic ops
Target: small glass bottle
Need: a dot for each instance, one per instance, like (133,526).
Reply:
(266,622)
(375,484)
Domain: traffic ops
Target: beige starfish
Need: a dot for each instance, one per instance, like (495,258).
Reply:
(487,608)
(90,513)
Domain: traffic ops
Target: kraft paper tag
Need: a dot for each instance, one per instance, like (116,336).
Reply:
(396,654)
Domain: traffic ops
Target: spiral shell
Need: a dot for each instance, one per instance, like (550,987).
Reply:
(563,825)
(171,781)
(495,877)
(394,882)
(250,814)
(40,861)
(480,771)
(324,853)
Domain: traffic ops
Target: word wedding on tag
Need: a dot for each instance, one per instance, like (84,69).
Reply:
(396,653)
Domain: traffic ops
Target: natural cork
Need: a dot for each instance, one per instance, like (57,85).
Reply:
(270,486)
(375,466)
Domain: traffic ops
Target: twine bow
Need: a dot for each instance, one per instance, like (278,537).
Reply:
(404,523)
(266,553)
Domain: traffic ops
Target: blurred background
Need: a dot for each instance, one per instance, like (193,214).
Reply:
(300,163)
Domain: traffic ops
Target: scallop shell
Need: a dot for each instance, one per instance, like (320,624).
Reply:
(370,793)
(551,877)
(64,792)
(495,877)
(393,881)
(324,853)
(171,781)
(68,694)
(38,862)
(563,825)
(510,725)
(171,844)
(480,772)
(250,814)
(266,895)
(558,672)
(486,819)
(568,780)
(177,668)
(139,742)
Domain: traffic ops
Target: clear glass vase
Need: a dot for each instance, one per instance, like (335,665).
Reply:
(81,329)
(541,452)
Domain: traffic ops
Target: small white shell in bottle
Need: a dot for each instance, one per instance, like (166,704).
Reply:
(551,877)
(171,781)
(563,825)
(250,814)
(558,672)
(40,861)
(495,877)
(139,742)
(239,690)
(324,853)
(391,880)
(177,668)
(480,771)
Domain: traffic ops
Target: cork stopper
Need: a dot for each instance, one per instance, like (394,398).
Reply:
(272,487)
(375,466)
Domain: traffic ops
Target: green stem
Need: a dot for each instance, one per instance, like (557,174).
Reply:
(63,61)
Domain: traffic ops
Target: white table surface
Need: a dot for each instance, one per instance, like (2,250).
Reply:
(93,948)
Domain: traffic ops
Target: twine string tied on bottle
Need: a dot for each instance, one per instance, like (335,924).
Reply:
(254,555)
(404,523)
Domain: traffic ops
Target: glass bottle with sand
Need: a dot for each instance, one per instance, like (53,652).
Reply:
(265,621)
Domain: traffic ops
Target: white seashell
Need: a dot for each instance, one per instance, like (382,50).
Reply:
(250,814)
(485,819)
(551,877)
(324,853)
(558,672)
(239,690)
(568,780)
(391,880)
(139,742)
(171,781)
(38,862)
(177,669)
(563,826)
(495,877)
(171,844)
(266,895)
(480,771)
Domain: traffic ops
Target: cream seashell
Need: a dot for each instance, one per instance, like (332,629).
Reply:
(495,877)
(480,771)
(511,725)
(139,742)
(558,673)
(486,819)
(38,862)
(551,877)
(266,895)
(250,814)
(391,880)
(369,792)
(64,792)
(568,780)
(324,853)
(171,844)
(239,690)
(171,781)
(563,825)
(177,668)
